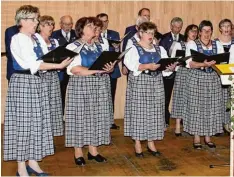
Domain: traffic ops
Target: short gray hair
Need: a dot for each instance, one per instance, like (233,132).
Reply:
(176,19)
(141,20)
(25,11)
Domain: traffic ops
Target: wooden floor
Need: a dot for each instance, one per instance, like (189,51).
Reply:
(179,158)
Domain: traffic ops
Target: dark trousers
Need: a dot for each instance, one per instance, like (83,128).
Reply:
(113,82)
(168,86)
(63,87)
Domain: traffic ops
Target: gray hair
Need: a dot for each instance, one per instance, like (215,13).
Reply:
(141,20)
(176,19)
(25,11)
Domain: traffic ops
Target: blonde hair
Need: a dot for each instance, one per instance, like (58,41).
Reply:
(25,11)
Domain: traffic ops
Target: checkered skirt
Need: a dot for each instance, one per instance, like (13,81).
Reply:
(178,93)
(227,96)
(27,125)
(52,79)
(204,104)
(88,111)
(145,107)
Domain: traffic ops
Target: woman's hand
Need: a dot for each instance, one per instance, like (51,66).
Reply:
(153,66)
(124,70)
(171,67)
(209,63)
(109,67)
(65,63)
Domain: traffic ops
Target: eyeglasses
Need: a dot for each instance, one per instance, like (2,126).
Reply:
(49,23)
(148,32)
(34,19)
(105,21)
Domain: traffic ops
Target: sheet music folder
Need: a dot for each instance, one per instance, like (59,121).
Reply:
(107,57)
(112,41)
(58,55)
(219,58)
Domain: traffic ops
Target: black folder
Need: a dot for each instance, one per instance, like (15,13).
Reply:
(58,55)
(180,53)
(107,57)
(219,58)
(164,62)
(226,49)
(112,41)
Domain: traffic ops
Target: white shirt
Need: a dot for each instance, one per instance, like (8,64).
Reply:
(132,57)
(173,37)
(22,50)
(177,46)
(105,44)
(77,59)
(64,34)
(224,78)
(104,34)
(193,45)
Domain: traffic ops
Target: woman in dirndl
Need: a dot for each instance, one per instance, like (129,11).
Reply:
(204,103)
(45,29)
(27,126)
(145,105)
(190,34)
(225,28)
(88,106)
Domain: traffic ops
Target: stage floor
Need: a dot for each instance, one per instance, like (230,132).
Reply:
(179,158)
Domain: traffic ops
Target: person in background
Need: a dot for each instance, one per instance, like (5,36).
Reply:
(204,103)
(65,35)
(225,28)
(190,34)
(167,40)
(47,43)
(111,34)
(11,31)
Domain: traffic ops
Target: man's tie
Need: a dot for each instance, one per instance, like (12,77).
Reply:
(175,37)
(67,37)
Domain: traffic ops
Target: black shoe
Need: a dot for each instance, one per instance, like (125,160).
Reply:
(210,144)
(139,154)
(178,134)
(197,146)
(80,161)
(114,126)
(98,158)
(154,153)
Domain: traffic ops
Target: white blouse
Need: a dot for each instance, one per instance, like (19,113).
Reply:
(132,57)
(22,50)
(224,78)
(193,45)
(77,59)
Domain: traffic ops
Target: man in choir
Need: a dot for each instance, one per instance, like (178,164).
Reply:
(144,12)
(111,34)
(11,31)
(167,41)
(64,36)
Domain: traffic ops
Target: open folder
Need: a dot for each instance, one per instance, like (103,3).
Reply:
(180,53)
(58,55)
(219,58)
(107,57)
(164,62)
(224,69)
(112,41)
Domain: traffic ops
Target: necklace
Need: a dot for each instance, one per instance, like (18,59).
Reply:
(206,45)
(146,47)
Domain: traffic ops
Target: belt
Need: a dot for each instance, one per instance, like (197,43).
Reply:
(151,73)
(26,72)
